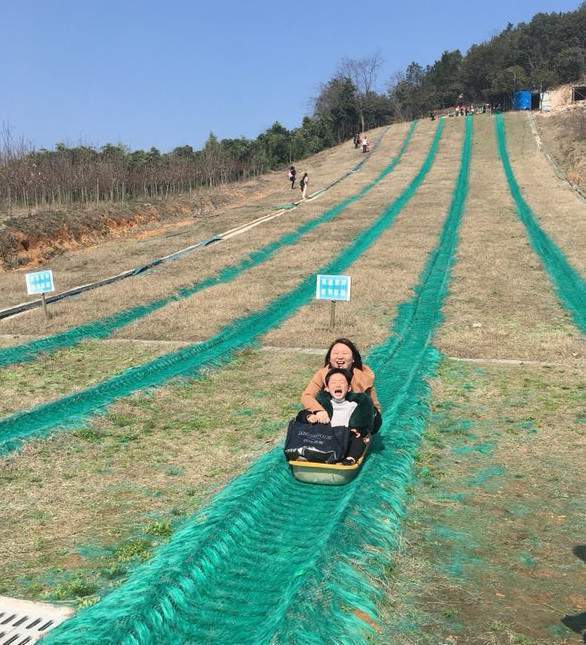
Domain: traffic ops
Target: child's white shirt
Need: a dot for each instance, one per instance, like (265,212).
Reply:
(341,412)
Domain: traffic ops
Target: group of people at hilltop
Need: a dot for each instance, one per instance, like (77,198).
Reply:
(342,394)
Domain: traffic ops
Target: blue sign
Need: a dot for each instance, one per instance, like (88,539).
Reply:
(40,282)
(333,287)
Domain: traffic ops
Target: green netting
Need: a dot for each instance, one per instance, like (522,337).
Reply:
(569,285)
(70,410)
(272,560)
(104,327)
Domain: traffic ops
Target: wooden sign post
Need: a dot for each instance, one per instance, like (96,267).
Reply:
(40,282)
(333,288)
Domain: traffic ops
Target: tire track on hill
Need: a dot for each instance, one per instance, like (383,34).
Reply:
(70,410)
(105,327)
(272,560)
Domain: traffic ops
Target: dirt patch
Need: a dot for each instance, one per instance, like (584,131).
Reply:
(30,239)
(564,137)
(490,552)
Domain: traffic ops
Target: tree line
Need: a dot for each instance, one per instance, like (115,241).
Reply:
(549,50)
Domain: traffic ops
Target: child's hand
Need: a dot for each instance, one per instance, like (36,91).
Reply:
(321,417)
(312,418)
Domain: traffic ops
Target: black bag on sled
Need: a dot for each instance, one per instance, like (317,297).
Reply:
(318,442)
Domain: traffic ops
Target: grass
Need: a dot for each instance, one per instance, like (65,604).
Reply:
(485,560)
(85,265)
(502,305)
(55,375)
(560,212)
(392,264)
(93,503)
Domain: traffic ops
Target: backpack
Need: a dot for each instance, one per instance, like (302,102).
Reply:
(318,442)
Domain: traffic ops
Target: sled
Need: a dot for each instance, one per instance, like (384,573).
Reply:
(312,472)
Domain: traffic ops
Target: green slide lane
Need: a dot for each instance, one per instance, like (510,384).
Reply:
(72,409)
(569,285)
(105,327)
(272,560)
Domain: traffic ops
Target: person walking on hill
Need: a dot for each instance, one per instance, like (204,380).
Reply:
(365,144)
(292,175)
(303,185)
(356,140)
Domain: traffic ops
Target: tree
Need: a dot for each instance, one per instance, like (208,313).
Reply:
(336,107)
(362,72)
(569,63)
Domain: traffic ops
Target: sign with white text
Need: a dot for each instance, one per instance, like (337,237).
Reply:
(333,287)
(40,282)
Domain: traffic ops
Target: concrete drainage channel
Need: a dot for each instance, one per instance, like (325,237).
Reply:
(23,622)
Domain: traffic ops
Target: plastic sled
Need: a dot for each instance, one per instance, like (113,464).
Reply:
(311,472)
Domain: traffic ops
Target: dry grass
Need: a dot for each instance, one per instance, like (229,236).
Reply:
(559,210)
(84,502)
(501,303)
(187,270)
(68,371)
(194,319)
(387,273)
(496,512)
(254,198)
(564,136)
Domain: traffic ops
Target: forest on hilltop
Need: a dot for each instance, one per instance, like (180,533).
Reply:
(547,51)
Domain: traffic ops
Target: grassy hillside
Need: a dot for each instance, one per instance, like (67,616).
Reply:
(479,364)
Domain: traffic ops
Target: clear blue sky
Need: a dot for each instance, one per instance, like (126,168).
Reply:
(165,73)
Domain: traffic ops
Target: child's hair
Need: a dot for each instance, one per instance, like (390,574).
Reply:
(339,370)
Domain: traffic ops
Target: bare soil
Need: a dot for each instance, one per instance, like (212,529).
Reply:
(564,137)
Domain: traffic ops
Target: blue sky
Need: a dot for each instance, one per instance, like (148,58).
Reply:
(146,72)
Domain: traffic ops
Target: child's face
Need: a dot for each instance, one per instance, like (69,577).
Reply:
(338,386)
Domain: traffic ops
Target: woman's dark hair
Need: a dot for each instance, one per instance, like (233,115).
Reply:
(351,346)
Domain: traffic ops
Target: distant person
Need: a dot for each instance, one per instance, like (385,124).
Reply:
(303,185)
(356,140)
(365,144)
(432,116)
(292,175)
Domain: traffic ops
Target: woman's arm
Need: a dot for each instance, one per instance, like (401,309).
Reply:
(308,400)
(374,398)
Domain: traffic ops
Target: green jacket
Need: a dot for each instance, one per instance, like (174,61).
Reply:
(362,418)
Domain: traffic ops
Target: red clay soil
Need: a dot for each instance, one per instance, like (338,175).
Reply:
(30,239)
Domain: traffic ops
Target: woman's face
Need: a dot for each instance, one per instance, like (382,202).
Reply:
(341,356)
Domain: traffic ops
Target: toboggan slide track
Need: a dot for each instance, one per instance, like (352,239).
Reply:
(198,246)
(70,410)
(272,560)
(569,285)
(105,327)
